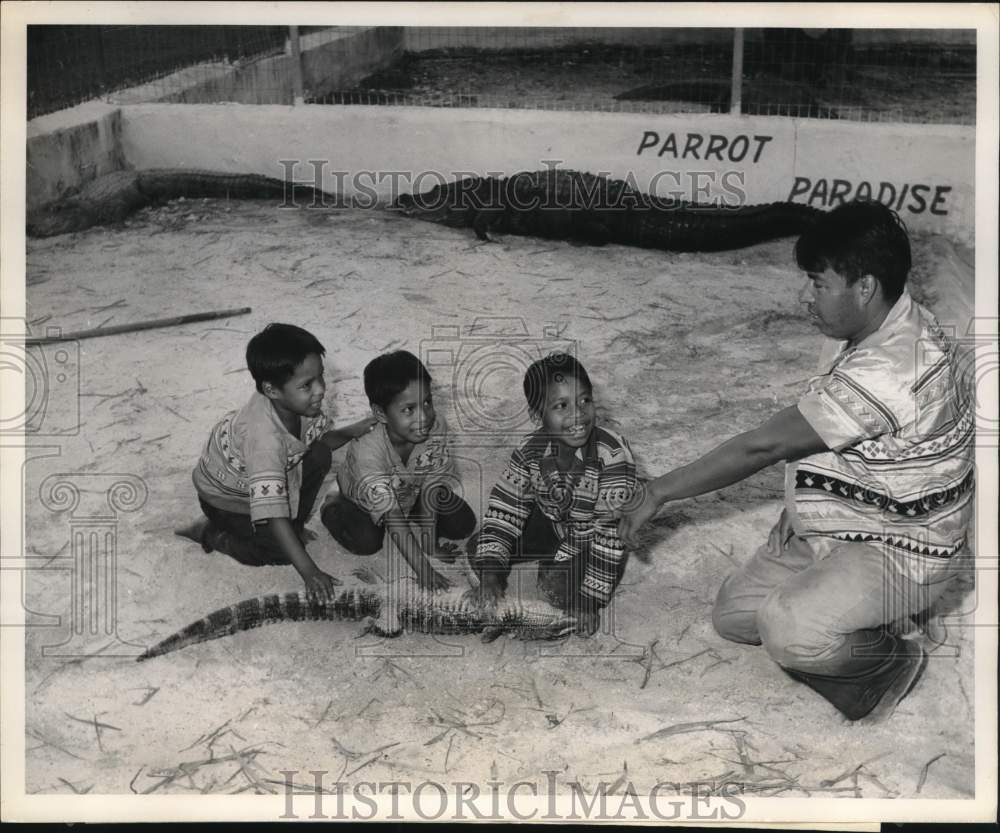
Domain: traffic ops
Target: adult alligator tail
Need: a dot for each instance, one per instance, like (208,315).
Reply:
(422,613)
(113,197)
(586,208)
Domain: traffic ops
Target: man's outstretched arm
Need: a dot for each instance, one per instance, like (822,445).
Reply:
(785,436)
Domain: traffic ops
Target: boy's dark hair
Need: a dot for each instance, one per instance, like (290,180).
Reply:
(275,352)
(388,375)
(859,238)
(554,367)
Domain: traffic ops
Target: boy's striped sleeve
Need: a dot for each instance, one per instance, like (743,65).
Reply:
(606,552)
(510,505)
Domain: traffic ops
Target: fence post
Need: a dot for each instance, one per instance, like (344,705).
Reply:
(102,83)
(736,98)
(293,37)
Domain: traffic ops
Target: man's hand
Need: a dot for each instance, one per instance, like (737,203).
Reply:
(321,585)
(634,520)
(783,530)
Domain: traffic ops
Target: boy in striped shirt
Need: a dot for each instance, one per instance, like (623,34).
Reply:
(559,498)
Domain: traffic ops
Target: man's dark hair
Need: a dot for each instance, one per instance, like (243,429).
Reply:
(275,352)
(388,375)
(556,367)
(856,239)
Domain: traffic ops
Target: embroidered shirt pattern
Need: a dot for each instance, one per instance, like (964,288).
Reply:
(584,505)
(899,474)
(376,479)
(251,463)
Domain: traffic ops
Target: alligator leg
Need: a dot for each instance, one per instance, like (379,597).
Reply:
(489,220)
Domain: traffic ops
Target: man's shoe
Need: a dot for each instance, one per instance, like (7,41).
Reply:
(901,686)
(893,667)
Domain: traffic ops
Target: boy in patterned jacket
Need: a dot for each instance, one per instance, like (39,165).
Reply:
(559,498)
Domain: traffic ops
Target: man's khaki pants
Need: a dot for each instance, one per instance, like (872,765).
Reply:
(820,616)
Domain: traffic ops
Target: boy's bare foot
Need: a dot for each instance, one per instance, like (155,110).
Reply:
(197,532)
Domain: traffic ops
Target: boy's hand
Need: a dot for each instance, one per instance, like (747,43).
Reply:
(320,584)
(431,579)
(360,428)
(490,591)
(587,623)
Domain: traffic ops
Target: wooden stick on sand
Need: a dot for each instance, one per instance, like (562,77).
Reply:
(139,325)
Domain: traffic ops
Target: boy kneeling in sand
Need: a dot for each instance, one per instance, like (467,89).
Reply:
(263,465)
(559,499)
(401,477)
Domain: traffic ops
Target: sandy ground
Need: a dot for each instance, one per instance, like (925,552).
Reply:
(684,349)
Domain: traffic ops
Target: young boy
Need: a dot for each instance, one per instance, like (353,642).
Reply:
(559,498)
(401,475)
(263,465)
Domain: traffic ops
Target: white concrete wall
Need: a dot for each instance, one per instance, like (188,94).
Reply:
(69,148)
(924,172)
(764,158)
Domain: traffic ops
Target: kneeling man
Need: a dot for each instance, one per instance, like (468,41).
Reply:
(879,477)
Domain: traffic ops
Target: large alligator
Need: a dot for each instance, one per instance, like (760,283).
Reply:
(556,204)
(387,615)
(111,198)
(586,208)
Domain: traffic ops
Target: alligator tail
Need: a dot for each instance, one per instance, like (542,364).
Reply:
(160,184)
(708,229)
(111,198)
(265,610)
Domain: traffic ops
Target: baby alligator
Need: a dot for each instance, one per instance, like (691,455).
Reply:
(390,616)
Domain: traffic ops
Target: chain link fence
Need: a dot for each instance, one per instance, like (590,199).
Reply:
(919,76)
(68,65)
